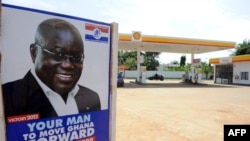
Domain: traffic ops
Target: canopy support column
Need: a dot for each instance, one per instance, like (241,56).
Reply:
(138,64)
(192,67)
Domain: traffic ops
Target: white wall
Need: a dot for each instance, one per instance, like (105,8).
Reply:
(237,69)
(166,74)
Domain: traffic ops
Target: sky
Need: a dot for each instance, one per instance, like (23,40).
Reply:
(223,20)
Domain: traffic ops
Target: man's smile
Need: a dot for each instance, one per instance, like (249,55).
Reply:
(64,76)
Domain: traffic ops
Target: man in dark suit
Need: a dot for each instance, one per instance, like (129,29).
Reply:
(50,88)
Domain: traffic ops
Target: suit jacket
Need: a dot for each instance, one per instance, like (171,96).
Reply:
(25,96)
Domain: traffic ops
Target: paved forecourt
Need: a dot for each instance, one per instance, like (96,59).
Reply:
(173,111)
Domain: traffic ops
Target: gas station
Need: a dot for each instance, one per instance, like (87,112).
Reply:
(20,125)
(152,43)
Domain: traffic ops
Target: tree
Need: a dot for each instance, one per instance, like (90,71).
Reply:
(242,48)
(129,58)
(183,61)
(150,60)
(186,67)
(131,62)
(121,58)
(206,68)
(174,62)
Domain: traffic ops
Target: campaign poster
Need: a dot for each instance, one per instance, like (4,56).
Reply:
(55,74)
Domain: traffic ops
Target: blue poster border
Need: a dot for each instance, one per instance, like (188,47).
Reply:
(101,129)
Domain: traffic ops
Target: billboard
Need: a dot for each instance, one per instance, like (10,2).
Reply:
(55,76)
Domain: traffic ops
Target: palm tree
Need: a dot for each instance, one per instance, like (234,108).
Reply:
(242,48)
(206,68)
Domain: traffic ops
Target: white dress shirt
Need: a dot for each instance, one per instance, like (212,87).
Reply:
(57,101)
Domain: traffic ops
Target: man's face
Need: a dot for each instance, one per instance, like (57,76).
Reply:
(60,73)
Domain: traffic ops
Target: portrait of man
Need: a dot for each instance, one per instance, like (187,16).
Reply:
(50,88)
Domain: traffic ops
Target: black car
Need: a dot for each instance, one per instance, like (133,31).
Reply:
(120,80)
(156,77)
